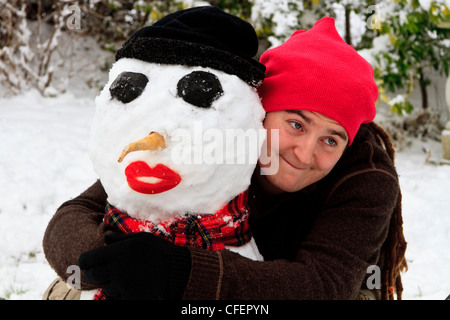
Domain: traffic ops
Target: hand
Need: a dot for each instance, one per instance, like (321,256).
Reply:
(138,266)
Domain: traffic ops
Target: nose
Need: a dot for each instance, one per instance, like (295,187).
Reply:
(305,151)
(153,141)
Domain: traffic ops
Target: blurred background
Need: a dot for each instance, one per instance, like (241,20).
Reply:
(406,41)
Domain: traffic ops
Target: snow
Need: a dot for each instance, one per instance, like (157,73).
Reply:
(425,4)
(426,220)
(397,99)
(44,162)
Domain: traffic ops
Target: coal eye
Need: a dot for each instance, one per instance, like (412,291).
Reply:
(128,86)
(199,88)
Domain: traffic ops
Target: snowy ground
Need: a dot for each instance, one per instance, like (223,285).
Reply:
(426,214)
(44,162)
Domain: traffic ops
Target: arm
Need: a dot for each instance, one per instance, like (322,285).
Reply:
(330,263)
(75,228)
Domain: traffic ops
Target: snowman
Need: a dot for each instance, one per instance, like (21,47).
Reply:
(167,136)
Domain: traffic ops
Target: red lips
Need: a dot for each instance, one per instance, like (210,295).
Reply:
(137,171)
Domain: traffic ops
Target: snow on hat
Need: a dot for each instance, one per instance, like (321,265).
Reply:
(317,71)
(200,36)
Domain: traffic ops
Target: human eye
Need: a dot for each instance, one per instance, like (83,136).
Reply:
(296,125)
(330,142)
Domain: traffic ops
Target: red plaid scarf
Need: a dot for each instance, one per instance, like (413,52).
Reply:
(228,227)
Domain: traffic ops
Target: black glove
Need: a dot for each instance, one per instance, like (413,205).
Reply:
(138,266)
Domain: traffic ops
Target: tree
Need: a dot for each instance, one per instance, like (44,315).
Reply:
(402,39)
(410,41)
(25,56)
(403,43)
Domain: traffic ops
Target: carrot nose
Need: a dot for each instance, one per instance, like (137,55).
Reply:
(153,141)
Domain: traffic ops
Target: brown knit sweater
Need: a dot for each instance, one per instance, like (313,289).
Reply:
(317,243)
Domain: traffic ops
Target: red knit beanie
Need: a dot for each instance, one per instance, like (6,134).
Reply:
(317,71)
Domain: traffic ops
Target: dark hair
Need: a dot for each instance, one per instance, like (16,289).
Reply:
(392,256)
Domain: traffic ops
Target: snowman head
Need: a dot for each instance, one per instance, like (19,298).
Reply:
(178,126)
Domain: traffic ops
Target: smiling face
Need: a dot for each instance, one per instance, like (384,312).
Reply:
(310,144)
(191,108)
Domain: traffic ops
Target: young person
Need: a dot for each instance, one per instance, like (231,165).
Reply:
(331,211)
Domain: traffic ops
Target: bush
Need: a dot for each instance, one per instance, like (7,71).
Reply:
(25,55)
